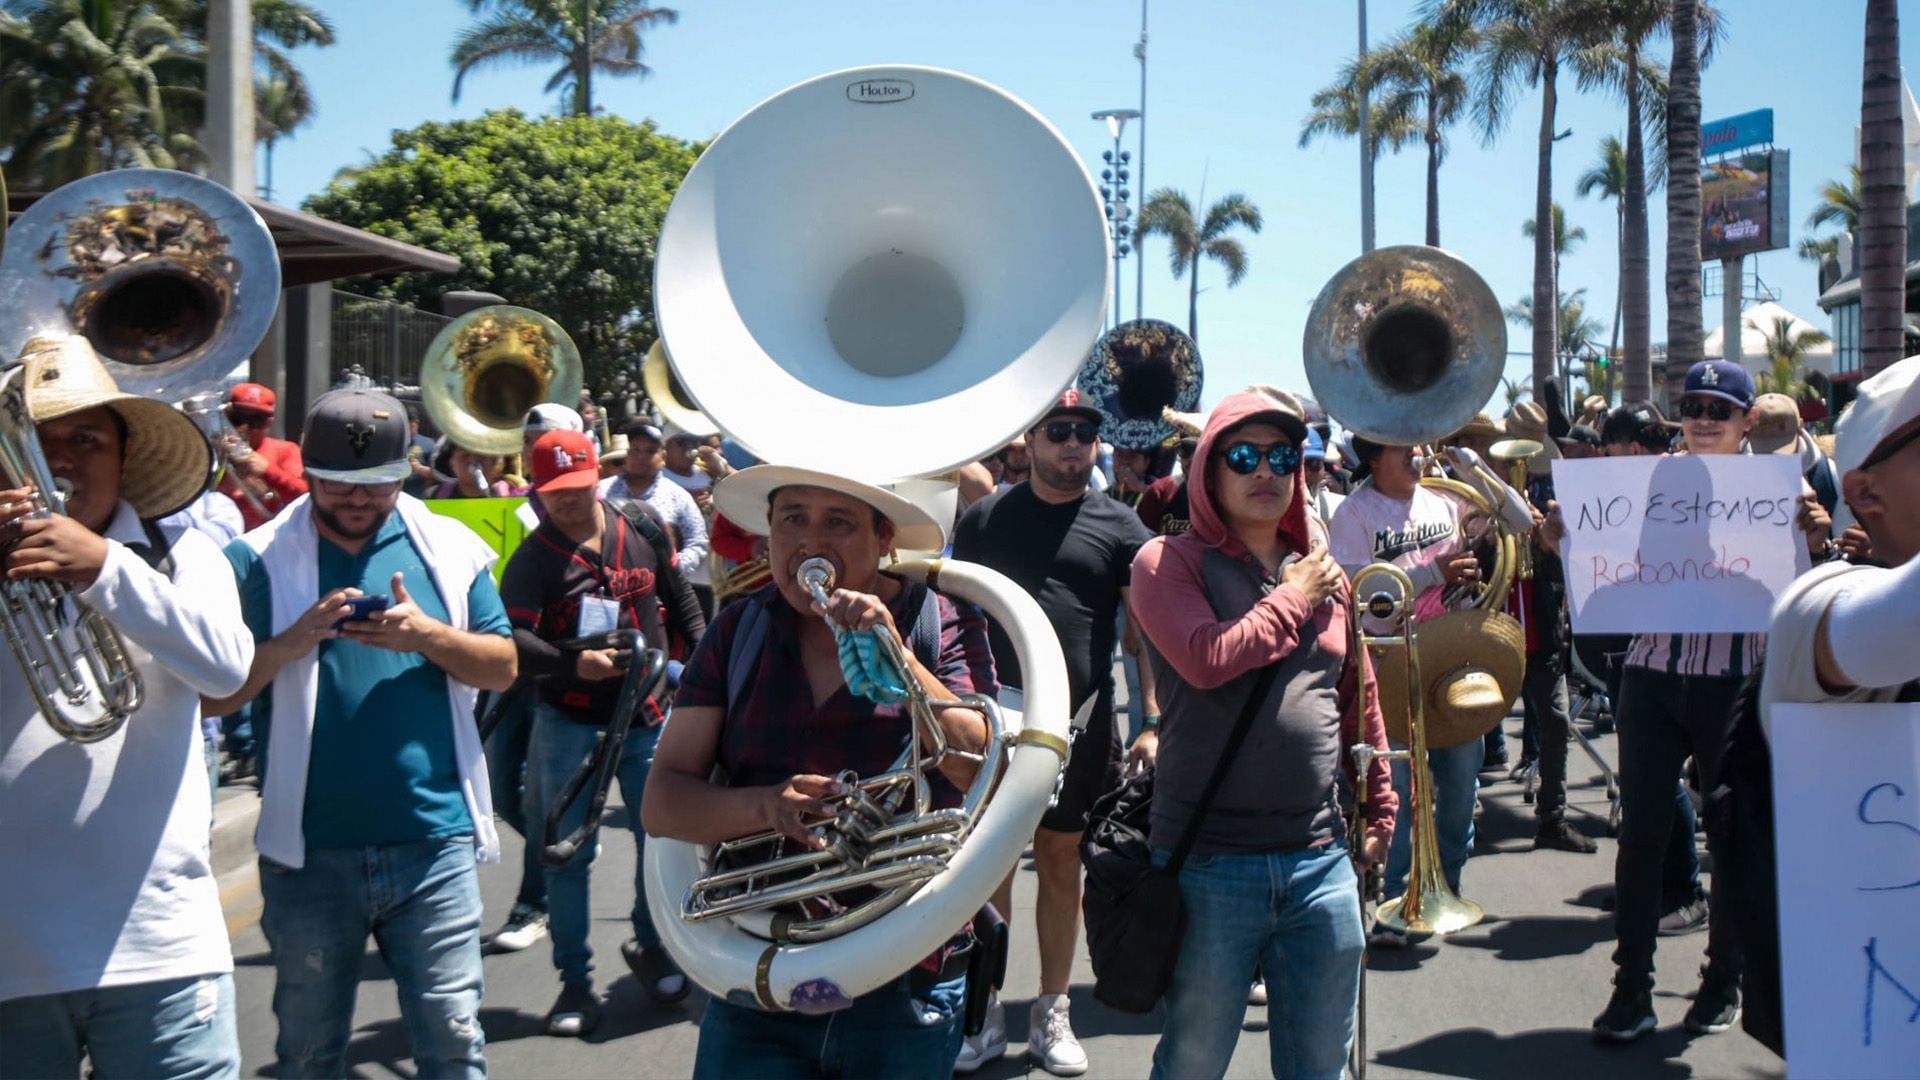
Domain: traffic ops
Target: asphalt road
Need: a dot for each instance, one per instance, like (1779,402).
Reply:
(1512,997)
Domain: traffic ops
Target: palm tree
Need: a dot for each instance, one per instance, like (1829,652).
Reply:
(1336,112)
(1818,249)
(1524,43)
(1577,335)
(1516,390)
(1564,240)
(280,105)
(1786,352)
(582,36)
(1168,213)
(1883,193)
(1686,336)
(1839,203)
(1601,376)
(87,86)
(1607,179)
(1421,72)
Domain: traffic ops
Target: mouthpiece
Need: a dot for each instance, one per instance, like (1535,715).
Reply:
(816,573)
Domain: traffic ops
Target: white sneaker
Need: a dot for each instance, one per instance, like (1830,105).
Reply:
(1050,1037)
(991,1043)
(1257,994)
(524,926)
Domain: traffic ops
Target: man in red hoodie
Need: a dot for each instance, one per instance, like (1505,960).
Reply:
(265,474)
(1251,586)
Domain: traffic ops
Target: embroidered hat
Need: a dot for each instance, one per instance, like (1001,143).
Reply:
(564,460)
(357,437)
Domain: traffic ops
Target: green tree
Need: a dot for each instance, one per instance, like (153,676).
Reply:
(1422,74)
(1786,352)
(1577,335)
(1335,112)
(1564,239)
(280,105)
(1839,203)
(1607,179)
(1818,249)
(1525,43)
(1515,390)
(1168,213)
(557,214)
(581,36)
(90,85)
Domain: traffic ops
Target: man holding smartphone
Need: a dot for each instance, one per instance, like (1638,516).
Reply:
(374,800)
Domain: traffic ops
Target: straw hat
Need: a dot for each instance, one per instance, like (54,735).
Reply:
(1528,420)
(1480,425)
(166,460)
(745,498)
(1472,663)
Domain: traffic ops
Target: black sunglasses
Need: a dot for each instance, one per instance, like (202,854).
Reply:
(1715,410)
(1060,431)
(1245,458)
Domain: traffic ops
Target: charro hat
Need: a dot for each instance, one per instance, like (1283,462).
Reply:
(1472,662)
(357,437)
(166,460)
(746,498)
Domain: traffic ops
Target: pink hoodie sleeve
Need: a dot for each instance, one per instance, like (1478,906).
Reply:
(1170,605)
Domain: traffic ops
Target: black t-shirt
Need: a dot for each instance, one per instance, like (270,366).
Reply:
(1073,558)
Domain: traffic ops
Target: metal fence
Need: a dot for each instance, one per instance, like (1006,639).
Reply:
(384,340)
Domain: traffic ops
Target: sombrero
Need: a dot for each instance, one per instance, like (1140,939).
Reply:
(1472,663)
(166,461)
(745,497)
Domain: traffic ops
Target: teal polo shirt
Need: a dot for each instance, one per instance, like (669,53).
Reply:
(382,768)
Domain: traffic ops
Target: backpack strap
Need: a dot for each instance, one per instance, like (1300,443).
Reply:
(157,552)
(749,637)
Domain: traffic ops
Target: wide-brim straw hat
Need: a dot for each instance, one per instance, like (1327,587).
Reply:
(1481,425)
(166,460)
(745,497)
(1472,663)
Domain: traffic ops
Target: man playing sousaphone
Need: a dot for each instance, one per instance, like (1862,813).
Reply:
(766,699)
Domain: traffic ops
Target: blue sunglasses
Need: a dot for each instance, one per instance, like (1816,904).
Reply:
(1245,458)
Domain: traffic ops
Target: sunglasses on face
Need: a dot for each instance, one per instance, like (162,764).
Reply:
(242,418)
(342,488)
(1712,409)
(1244,458)
(1059,431)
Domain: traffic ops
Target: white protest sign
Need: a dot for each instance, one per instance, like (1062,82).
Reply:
(1846,809)
(1678,544)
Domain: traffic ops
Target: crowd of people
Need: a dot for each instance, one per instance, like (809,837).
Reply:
(397,695)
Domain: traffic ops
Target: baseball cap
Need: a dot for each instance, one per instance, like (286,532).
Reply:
(1723,379)
(1778,429)
(564,460)
(1314,450)
(251,396)
(640,429)
(549,416)
(1071,403)
(356,437)
(1885,403)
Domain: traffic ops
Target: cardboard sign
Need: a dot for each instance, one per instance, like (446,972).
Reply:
(1846,804)
(1678,544)
(495,521)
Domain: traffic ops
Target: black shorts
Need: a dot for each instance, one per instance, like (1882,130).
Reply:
(1092,770)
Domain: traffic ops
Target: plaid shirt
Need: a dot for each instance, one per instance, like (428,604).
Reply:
(774,730)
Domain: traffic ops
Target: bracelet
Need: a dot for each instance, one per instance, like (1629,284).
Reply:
(1150,722)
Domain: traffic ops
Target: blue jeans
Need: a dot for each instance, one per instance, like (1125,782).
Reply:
(1456,781)
(895,1032)
(178,1028)
(506,751)
(1294,914)
(559,747)
(421,903)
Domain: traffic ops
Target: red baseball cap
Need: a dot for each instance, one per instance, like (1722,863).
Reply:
(564,460)
(253,396)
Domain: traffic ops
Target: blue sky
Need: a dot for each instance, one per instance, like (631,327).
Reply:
(1229,85)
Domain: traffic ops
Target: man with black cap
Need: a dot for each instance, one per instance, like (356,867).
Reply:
(1074,552)
(112,945)
(376,623)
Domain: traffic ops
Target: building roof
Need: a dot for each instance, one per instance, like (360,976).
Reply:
(1847,289)
(1755,324)
(313,250)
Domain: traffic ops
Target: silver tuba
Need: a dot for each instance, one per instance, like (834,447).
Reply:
(879,312)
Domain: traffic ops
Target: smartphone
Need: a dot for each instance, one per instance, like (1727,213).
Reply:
(364,608)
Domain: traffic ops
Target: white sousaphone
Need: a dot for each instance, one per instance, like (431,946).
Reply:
(881,274)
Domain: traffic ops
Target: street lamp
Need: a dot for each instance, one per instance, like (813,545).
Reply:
(1114,194)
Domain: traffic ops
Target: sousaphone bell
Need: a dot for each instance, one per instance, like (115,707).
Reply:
(485,369)
(1136,372)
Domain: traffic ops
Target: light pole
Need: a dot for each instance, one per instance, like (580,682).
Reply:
(1140,161)
(1114,192)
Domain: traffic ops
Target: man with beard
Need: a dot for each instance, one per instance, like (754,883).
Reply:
(374,800)
(1073,551)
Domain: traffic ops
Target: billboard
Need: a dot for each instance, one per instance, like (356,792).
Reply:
(1743,204)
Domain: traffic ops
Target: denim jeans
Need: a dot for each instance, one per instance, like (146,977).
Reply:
(421,903)
(178,1028)
(1456,783)
(896,1032)
(559,747)
(1663,719)
(508,779)
(1294,914)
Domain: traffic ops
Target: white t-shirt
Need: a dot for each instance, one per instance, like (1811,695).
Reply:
(1790,676)
(1413,534)
(107,878)
(697,480)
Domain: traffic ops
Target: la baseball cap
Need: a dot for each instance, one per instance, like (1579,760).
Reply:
(356,437)
(253,397)
(1723,379)
(564,460)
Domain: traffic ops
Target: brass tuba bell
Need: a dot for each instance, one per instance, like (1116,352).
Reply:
(486,368)
(664,390)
